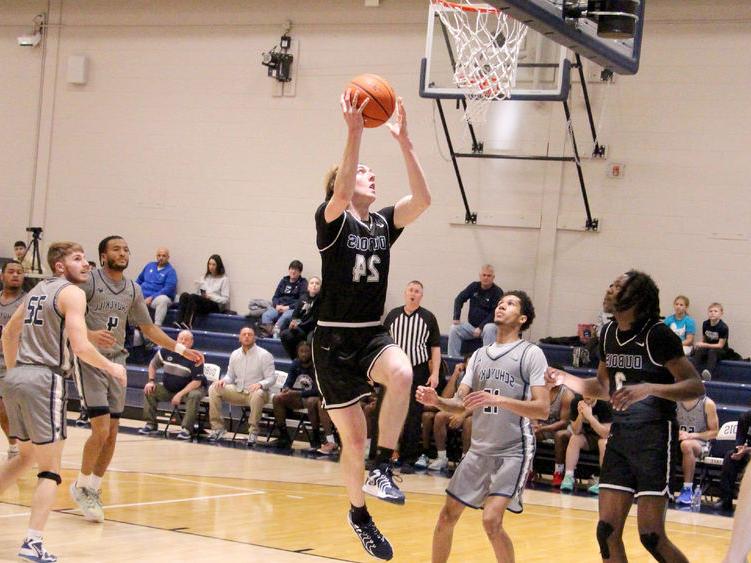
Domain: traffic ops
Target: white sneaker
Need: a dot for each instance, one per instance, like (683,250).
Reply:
(422,462)
(216,435)
(89,503)
(252,438)
(706,375)
(438,464)
(184,435)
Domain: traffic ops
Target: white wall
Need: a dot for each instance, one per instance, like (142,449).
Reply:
(176,140)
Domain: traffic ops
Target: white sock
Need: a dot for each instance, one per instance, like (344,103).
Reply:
(559,468)
(570,473)
(688,485)
(367,445)
(83,481)
(330,439)
(441,454)
(34,534)
(95,482)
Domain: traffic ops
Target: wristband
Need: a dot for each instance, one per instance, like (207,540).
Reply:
(180,348)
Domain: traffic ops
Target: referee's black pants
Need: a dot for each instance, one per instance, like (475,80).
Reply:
(410,447)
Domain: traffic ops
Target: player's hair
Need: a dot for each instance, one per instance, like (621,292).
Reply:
(105,241)
(641,292)
(59,250)
(295,265)
(527,308)
(328,181)
(716,304)
(11,262)
(219,265)
(19,243)
(416,282)
(683,298)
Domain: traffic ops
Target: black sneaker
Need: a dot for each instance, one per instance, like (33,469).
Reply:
(407,469)
(83,420)
(372,539)
(380,484)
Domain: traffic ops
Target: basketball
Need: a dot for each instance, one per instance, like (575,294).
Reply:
(382,98)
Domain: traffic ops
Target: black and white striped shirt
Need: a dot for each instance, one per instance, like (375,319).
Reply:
(415,333)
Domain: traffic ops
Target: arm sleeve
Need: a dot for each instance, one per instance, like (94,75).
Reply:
(663,344)
(267,365)
(170,284)
(294,371)
(394,233)
(278,292)
(139,313)
(465,294)
(230,375)
(139,279)
(434,332)
(224,291)
(535,365)
(326,233)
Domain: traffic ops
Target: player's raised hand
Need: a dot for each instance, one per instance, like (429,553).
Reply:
(478,399)
(194,356)
(351,112)
(554,376)
(426,396)
(399,127)
(627,395)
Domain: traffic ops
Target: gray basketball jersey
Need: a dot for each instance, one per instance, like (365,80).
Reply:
(693,419)
(44,341)
(508,370)
(111,306)
(6,312)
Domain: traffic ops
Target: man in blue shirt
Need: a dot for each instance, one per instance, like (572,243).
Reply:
(158,281)
(483,297)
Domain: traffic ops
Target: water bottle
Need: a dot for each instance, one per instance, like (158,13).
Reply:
(696,500)
(276,332)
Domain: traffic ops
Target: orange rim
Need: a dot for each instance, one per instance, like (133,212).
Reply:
(465,7)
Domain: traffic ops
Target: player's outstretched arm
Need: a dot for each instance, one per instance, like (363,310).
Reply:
(597,387)
(72,304)
(344,185)
(412,206)
(427,396)
(688,385)
(158,337)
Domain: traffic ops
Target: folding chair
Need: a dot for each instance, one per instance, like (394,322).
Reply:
(711,464)
(281,378)
(211,372)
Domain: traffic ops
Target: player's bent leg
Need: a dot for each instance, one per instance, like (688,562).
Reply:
(691,450)
(393,370)
(613,507)
(492,522)
(650,518)
(443,535)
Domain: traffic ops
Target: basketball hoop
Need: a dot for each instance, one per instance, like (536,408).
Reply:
(487,44)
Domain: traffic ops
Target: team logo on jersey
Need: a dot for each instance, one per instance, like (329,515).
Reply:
(624,361)
(497,374)
(364,244)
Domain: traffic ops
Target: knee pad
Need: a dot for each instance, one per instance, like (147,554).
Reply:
(650,543)
(50,475)
(604,531)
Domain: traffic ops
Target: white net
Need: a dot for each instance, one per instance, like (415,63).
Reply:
(487,44)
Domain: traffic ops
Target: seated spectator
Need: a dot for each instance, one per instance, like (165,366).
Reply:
(20,251)
(714,344)
(483,297)
(697,426)
(182,380)
(589,432)
(300,390)
(682,324)
(735,462)
(288,292)
(249,377)
(212,294)
(304,318)
(158,281)
(560,414)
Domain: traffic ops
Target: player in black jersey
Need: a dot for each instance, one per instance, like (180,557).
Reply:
(351,348)
(643,372)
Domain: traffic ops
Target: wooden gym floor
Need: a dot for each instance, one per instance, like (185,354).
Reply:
(169,500)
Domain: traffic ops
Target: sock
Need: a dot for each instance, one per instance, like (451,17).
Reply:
(569,473)
(83,481)
(359,514)
(13,448)
(441,454)
(559,468)
(383,455)
(35,535)
(688,485)
(95,482)
(367,446)
(330,439)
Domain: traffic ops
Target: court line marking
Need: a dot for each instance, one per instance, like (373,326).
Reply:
(173,501)
(15,515)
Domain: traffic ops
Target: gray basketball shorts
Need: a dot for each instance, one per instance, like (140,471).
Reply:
(481,476)
(35,401)
(100,394)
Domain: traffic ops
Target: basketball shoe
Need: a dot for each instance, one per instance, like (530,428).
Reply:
(380,484)
(33,550)
(372,539)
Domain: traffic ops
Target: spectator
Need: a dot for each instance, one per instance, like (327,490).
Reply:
(558,419)
(735,461)
(288,292)
(304,318)
(21,253)
(697,425)
(589,432)
(301,391)
(682,324)
(415,330)
(182,380)
(483,297)
(158,281)
(249,377)
(212,295)
(714,344)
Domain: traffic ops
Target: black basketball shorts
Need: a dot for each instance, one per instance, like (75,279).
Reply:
(343,359)
(638,458)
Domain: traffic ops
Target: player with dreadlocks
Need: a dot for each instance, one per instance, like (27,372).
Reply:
(642,371)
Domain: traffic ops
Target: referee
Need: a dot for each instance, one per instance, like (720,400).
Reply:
(415,330)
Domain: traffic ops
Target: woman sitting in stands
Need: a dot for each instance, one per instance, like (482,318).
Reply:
(211,295)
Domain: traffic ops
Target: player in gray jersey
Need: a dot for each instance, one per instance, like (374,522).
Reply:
(10,298)
(504,386)
(698,424)
(113,301)
(37,344)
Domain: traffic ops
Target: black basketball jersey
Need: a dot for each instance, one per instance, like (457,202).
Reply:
(638,356)
(355,258)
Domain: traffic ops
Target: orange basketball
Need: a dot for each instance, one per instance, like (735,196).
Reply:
(382,98)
